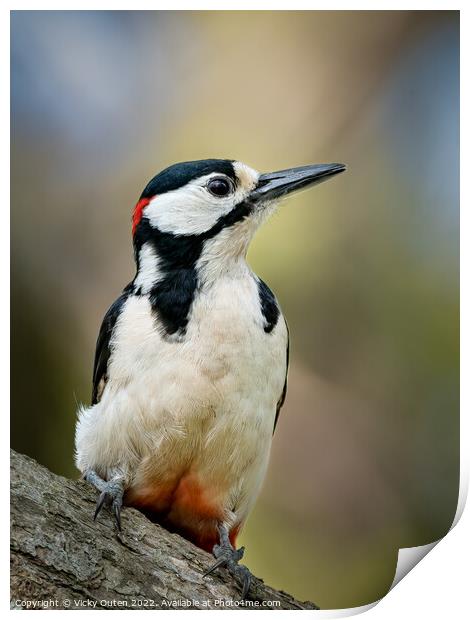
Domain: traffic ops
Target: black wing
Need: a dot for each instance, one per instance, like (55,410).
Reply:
(103,350)
(282,398)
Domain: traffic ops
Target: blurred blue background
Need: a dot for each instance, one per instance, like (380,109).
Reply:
(365,457)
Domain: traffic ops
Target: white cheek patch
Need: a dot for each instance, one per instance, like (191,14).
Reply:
(192,209)
(189,210)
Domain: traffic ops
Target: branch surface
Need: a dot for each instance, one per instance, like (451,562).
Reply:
(59,555)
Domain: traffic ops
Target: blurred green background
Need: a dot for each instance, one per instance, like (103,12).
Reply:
(365,457)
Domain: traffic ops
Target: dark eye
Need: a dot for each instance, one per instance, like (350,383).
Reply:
(219,186)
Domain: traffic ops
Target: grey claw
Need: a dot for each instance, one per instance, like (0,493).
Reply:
(238,554)
(220,562)
(117,514)
(246,585)
(111,495)
(242,575)
(228,557)
(100,504)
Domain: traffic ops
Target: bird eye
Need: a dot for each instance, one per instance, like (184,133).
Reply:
(219,186)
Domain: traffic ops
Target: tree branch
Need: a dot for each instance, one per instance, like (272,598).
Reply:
(60,558)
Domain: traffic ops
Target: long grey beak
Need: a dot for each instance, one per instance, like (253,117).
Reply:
(276,184)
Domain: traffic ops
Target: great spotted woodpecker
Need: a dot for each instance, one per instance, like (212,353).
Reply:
(191,361)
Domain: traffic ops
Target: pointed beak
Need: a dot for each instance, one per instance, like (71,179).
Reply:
(277,184)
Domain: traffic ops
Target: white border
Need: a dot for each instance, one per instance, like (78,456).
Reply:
(240,5)
(437,589)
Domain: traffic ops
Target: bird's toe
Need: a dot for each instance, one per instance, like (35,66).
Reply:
(229,558)
(112,493)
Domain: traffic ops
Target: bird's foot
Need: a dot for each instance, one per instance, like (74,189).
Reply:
(111,494)
(228,557)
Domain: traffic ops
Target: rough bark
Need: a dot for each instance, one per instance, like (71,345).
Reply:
(60,558)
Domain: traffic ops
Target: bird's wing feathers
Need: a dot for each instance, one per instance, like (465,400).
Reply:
(282,398)
(103,347)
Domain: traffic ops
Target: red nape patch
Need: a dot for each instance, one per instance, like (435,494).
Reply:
(137,215)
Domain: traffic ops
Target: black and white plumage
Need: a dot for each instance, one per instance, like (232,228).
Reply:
(191,361)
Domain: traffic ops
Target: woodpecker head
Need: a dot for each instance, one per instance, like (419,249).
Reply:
(215,201)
